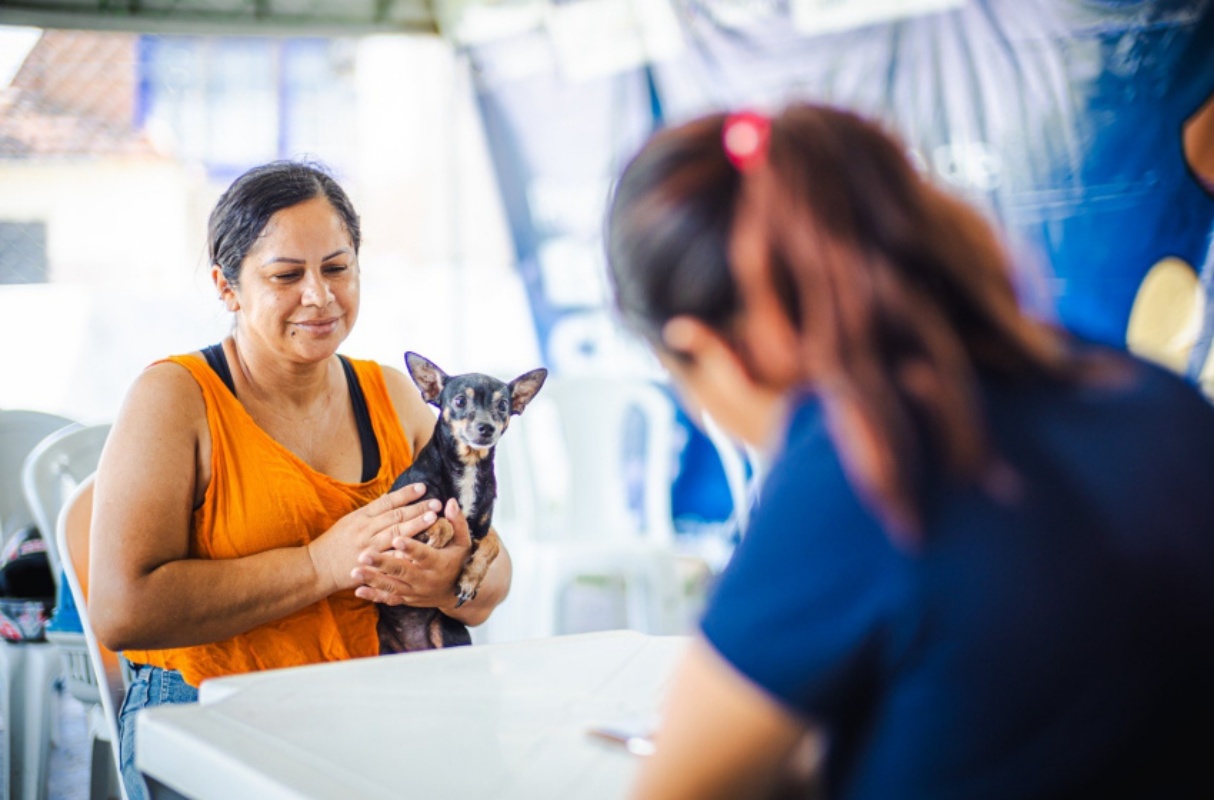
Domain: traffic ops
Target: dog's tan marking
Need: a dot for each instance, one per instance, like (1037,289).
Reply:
(465,486)
(436,631)
(469,455)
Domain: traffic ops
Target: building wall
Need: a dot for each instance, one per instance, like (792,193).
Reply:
(128,279)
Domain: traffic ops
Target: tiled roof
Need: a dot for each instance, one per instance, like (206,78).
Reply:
(74,96)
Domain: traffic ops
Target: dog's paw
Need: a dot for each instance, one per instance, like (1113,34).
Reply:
(467,586)
(464,595)
(441,532)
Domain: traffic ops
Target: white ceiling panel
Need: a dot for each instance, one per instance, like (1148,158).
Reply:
(225,16)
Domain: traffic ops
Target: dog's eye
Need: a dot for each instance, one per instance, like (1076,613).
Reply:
(460,401)
(502,406)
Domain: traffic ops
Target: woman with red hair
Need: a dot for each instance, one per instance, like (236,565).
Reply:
(982,562)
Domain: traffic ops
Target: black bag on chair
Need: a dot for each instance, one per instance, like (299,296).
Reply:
(27,587)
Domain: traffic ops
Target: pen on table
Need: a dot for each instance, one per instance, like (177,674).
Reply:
(637,744)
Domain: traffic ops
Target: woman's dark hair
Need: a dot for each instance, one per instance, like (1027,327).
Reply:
(668,230)
(899,294)
(242,212)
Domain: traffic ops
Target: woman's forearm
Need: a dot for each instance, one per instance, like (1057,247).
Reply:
(196,601)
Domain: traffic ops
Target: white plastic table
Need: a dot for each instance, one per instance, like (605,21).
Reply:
(505,721)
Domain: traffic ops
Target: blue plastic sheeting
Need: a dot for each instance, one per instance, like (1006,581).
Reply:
(66,618)
(1063,119)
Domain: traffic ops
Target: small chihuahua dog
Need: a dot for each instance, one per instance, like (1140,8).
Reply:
(474,411)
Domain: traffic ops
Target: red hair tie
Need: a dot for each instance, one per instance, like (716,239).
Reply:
(745,137)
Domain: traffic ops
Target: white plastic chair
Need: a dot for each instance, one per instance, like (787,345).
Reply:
(589,477)
(52,471)
(741,471)
(29,669)
(30,672)
(54,468)
(72,537)
(744,472)
(20,432)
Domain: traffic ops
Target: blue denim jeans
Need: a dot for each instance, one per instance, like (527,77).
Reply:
(150,686)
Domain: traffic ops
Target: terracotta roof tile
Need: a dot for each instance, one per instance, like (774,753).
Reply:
(74,96)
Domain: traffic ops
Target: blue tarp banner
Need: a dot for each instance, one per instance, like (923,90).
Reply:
(1063,119)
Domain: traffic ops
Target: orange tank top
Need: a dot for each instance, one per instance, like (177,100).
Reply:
(263,496)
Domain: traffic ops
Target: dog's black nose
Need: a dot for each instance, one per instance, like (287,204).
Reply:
(484,429)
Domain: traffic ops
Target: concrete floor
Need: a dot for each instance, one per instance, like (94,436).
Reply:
(68,772)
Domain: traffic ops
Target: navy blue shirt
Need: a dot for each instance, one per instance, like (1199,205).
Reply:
(1061,645)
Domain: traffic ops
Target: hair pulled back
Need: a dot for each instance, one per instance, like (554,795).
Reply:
(900,294)
(242,212)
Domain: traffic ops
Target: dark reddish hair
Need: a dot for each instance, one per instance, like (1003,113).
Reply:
(898,293)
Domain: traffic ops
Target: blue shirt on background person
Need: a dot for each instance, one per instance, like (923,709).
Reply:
(1058,645)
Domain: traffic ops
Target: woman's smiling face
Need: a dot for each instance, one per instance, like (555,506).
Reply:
(299,286)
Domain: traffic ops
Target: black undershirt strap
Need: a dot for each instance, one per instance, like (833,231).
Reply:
(362,417)
(218,361)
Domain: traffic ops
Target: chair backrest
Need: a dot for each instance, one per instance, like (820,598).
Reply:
(741,471)
(72,536)
(618,444)
(20,432)
(54,468)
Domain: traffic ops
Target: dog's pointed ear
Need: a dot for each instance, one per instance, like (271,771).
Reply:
(524,388)
(429,378)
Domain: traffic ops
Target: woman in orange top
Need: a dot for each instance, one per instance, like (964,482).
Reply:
(242,519)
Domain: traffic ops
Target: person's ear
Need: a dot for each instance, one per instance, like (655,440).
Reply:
(687,336)
(707,349)
(227,294)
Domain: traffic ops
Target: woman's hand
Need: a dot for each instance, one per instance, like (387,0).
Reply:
(371,529)
(412,572)
(693,760)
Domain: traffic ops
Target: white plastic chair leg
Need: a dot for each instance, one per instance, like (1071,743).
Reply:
(103,774)
(30,670)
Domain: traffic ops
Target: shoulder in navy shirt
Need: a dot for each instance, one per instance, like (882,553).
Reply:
(1061,645)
